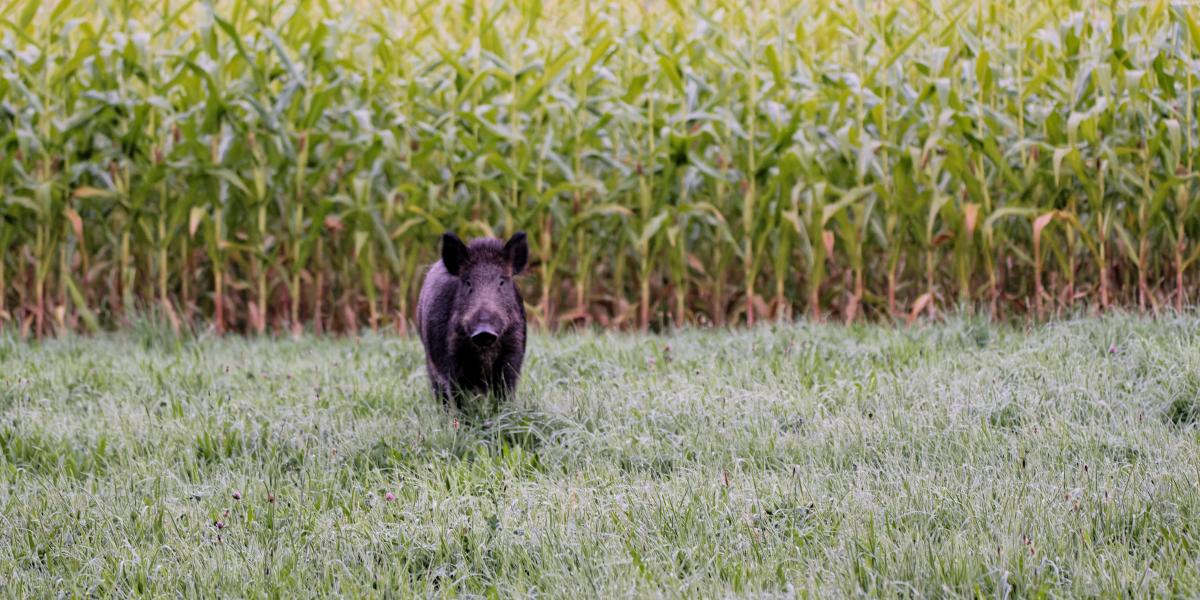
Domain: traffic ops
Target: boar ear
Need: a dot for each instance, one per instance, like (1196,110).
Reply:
(516,249)
(454,252)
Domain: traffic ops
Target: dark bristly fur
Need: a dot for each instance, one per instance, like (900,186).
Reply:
(472,318)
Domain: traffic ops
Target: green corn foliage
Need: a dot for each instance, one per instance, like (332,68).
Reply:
(269,166)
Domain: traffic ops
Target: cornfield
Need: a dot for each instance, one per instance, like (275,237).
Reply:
(270,166)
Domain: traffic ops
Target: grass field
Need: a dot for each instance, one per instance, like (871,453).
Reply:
(956,459)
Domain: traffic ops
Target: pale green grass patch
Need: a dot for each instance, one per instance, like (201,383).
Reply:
(958,459)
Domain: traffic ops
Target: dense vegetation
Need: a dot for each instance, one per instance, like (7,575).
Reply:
(265,165)
(955,460)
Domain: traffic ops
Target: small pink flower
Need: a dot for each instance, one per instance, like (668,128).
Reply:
(388,497)
(237,495)
(1112,349)
(219,524)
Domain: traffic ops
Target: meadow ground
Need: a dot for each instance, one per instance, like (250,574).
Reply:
(957,459)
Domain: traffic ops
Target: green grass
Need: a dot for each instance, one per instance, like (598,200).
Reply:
(958,459)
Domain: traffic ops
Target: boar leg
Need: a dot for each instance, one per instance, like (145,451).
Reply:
(508,370)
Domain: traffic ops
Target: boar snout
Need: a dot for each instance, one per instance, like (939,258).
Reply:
(485,330)
(483,336)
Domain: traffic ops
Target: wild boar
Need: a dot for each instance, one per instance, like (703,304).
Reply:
(472,318)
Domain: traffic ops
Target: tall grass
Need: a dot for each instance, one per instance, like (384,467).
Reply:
(268,165)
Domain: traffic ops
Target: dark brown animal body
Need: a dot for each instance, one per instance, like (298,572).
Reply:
(472,318)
